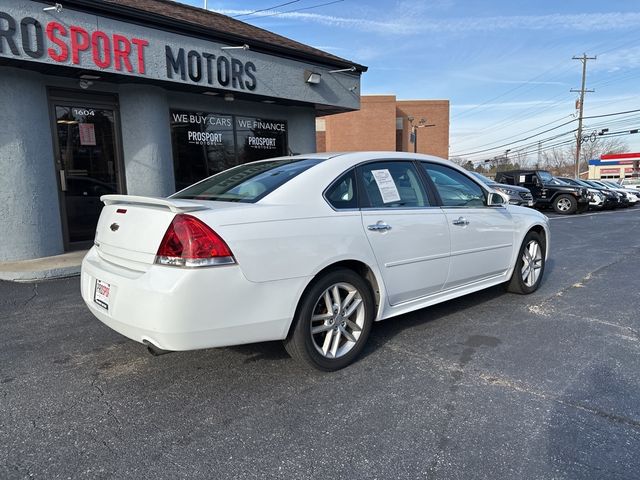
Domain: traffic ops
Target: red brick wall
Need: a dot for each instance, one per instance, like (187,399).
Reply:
(373,127)
(431,140)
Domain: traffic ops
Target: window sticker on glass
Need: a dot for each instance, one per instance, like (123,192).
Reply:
(386,185)
(522,179)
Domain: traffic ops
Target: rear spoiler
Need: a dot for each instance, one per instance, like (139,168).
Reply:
(176,206)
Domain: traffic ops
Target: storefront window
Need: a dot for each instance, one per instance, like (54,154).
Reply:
(259,138)
(207,143)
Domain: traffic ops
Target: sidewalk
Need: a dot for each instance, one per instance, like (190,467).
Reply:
(65,265)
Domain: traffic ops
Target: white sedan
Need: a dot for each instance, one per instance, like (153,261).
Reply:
(308,249)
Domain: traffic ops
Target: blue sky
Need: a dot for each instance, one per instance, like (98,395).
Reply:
(506,66)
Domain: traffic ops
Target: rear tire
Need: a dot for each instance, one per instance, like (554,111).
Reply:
(332,322)
(530,264)
(565,204)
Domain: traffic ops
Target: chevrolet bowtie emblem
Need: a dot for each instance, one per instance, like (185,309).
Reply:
(114,227)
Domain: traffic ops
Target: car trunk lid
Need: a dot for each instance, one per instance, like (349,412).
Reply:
(131,227)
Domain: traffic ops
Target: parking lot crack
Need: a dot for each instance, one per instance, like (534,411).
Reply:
(634,334)
(34,295)
(110,410)
(612,417)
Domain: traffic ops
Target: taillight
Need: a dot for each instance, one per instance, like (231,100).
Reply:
(188,242)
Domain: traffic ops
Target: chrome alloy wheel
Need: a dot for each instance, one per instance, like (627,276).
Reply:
(531,263)
(564,204)
(337,320)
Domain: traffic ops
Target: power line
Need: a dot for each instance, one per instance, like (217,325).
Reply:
(518,141)
(520,133)
(265,9)
(508,91)
(596,46)
(296,10)
(499,147)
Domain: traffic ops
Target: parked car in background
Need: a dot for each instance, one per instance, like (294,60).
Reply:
(633,194)
(547,191)
(628,199)
(308,249)
(624,201)
(599,197)
(513,194)
(631,182)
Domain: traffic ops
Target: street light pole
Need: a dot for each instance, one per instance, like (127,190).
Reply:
(414,130)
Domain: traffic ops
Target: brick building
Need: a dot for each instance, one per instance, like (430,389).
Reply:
(383,123)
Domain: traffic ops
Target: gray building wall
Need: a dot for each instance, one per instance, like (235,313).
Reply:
(29,198)
(29,208)
(146,140)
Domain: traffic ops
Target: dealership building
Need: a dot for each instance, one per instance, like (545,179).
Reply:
(615,166)
(142,97)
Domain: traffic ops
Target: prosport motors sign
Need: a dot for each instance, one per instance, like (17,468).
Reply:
(74,43)
(91,43)
(262,134)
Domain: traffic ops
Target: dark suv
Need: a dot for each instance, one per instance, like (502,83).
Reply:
(548,191)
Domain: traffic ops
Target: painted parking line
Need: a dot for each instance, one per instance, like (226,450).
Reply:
(593,214)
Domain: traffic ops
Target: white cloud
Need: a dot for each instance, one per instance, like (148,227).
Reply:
(409,24)
(618,60)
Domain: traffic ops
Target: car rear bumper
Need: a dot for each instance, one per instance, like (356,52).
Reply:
(187,309)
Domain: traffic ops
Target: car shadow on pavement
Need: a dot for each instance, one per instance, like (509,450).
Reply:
(256,352)
(384,331)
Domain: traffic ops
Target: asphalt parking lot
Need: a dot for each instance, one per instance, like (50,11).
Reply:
(492,385)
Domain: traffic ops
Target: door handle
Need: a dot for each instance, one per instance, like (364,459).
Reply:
(63,181)
(461,221)
(380,226)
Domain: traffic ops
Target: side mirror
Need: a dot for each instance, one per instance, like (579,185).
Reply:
(495,200)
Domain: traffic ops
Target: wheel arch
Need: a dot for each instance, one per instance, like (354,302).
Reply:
(542,231)
(357,266)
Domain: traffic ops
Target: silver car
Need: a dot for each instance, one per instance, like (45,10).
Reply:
(512,194)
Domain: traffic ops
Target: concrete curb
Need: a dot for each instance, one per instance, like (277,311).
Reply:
(47,268)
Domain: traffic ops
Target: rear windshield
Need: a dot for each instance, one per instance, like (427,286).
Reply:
(247,183)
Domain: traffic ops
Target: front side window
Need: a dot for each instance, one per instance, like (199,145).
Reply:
(455,189)
(247,183)
(392,185)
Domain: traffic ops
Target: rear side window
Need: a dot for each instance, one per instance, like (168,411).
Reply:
(455,189)
(342,193)
(392,185)
(247,183)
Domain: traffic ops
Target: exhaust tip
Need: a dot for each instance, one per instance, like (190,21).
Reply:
(155,350)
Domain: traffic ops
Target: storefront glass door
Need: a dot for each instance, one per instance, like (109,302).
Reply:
(87,165)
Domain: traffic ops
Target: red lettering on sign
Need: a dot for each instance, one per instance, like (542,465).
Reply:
(140,44)
(52,28)
(101,43)
(121,51)
(79,42)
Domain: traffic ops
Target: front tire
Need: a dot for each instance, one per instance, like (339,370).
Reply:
(333,321)
(565,204)
(530,264)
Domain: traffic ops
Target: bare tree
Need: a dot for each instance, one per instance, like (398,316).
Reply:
(592,150)
(459,160)
(561,161)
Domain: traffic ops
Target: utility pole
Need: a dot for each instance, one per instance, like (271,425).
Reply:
(584,59)
(539,154)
